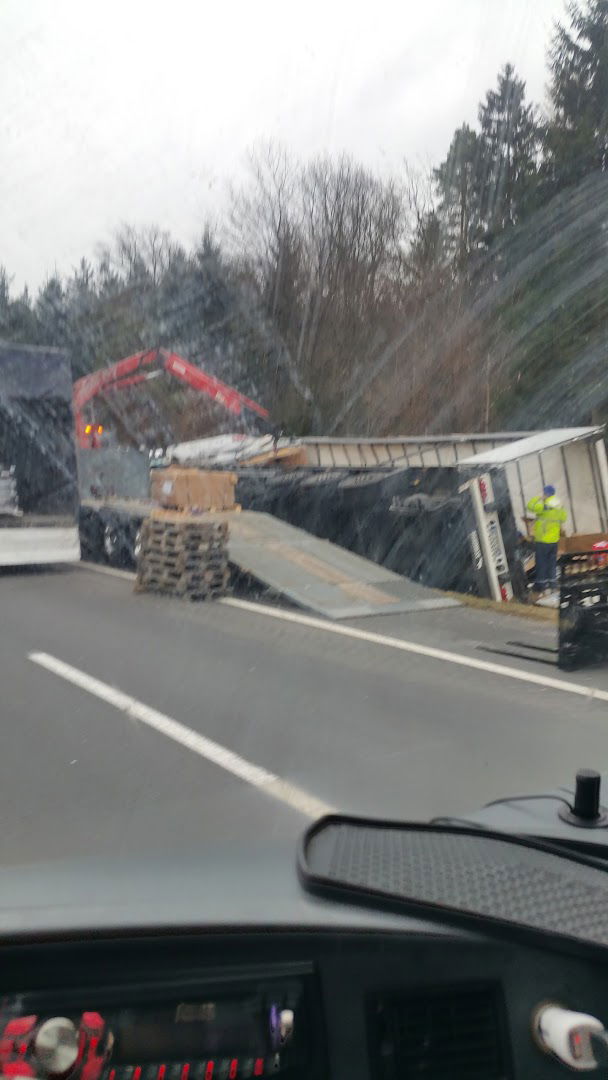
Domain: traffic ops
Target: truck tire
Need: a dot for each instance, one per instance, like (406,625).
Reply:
(91,535)
(117,540)
(134,540)
(137,545)
(111,543)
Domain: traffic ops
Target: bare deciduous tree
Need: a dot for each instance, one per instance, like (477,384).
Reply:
(323,242)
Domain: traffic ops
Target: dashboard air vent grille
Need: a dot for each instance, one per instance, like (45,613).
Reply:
(454,1034)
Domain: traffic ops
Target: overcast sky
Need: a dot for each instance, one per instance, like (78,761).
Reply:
(141,111)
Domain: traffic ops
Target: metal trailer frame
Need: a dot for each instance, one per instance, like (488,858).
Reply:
(495,571)
(401,450)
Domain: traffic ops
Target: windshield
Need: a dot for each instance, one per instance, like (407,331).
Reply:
(303,478)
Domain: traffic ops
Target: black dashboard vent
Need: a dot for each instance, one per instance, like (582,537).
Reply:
(454,1034)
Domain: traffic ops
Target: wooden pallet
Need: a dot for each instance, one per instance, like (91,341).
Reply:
(172,546)
(183,556)
(199,554)
(178,569)
(181,518)
(202,592)
(194,551)
(186,532)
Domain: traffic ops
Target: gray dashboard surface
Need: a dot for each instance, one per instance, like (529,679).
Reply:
(213,890)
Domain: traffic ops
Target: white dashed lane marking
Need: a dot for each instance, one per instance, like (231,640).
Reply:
(226,759)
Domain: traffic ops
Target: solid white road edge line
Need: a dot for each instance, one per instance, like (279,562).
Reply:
(199,744)
(567,687)
(420,650)
(99,568)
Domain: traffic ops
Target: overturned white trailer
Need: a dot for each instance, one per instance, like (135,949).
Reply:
(491,476)
(572,459)
(490,466)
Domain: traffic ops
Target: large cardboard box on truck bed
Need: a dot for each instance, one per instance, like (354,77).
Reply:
(176,488)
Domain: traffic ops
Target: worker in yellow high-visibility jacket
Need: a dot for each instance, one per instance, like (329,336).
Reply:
(550,517)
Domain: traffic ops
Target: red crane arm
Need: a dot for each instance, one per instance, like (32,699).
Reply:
(85,389)
(137,368)
(226,395)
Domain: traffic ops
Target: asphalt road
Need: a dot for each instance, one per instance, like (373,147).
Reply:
(364,727)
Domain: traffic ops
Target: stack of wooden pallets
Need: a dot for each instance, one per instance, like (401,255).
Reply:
(183,556)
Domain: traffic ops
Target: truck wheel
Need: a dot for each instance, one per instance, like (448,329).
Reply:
(133,541)
(91,535)
(137,542)
(111,543)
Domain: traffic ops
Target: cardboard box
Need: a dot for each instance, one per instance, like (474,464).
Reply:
(211,490)
(579,542)
(176,488)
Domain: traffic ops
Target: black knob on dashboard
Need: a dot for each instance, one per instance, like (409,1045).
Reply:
(587,795)
(586,812)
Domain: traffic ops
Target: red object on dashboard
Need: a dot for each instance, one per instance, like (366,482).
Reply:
(21,1025)
(17,1047)
(93,1022)
(93,1046)
(14,1045)
(19,1067)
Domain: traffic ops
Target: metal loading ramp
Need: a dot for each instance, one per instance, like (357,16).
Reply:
(318,575)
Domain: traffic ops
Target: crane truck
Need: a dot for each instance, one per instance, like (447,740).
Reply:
(114,480)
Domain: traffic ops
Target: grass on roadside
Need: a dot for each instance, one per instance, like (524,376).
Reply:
(525,611)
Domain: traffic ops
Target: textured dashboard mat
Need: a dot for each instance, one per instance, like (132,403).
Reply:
(476,878)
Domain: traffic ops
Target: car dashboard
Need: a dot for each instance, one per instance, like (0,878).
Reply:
(369,1001)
